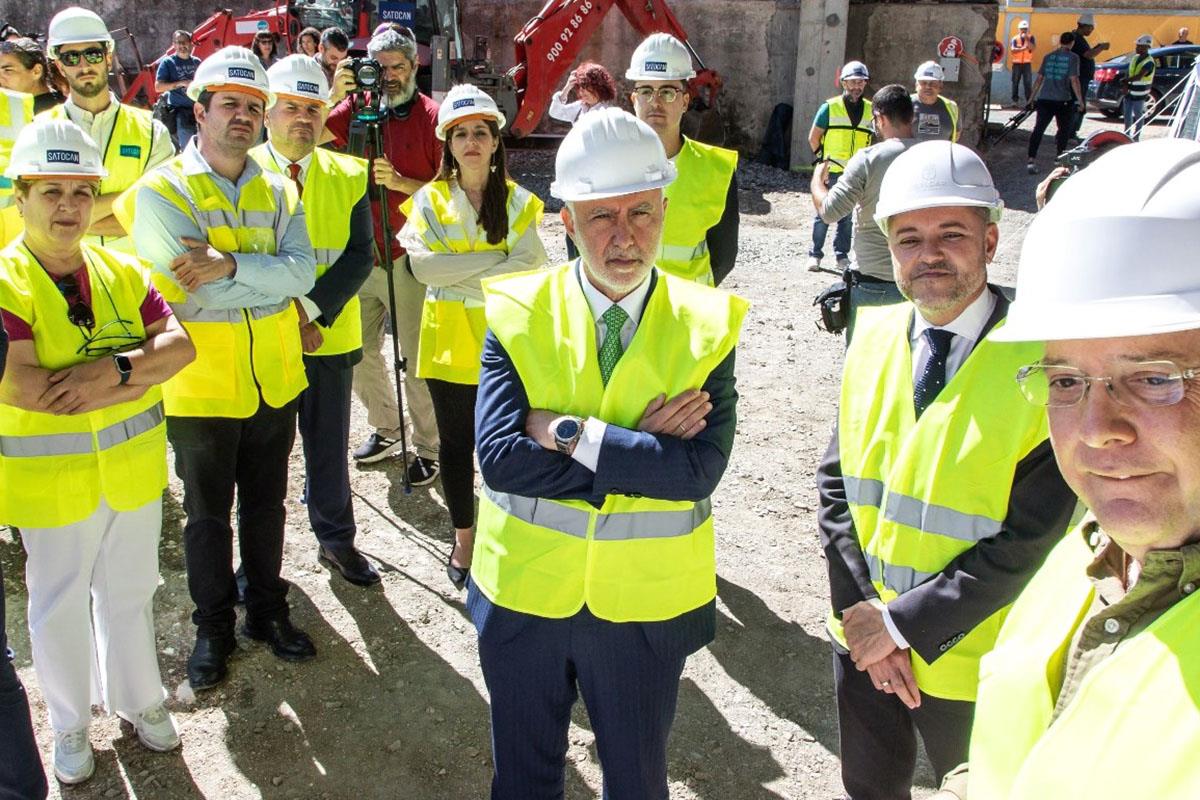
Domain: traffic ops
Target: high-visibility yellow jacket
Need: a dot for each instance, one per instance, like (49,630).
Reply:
(695,203)
(1139,85)
(921,492)
(16,110)
(242,354)
(126,158)
(1132,726)
(56,467)
(951,109)
(635,559)
(452,323)
(334,183)
(843,138)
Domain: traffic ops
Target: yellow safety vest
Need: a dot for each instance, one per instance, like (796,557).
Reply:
(921,492)
(453,324)
(695,203)
(951,109)
(56,467)
(1139,88)
(842,138)
(125,157)
(334,183)
(635,559)
(1131,728)
(242,354)
(15,113)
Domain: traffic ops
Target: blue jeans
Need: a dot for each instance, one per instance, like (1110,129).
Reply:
(21,775)
(185,127)
(1133,110)
(841,240)
(870,293)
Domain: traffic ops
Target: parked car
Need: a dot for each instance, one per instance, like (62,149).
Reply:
(1171,65)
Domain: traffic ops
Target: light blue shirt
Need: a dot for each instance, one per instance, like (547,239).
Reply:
(259,280)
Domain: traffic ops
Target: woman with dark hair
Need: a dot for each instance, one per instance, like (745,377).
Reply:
(594,88)
(469,223)
(23,68)
(266,47)
(308,41)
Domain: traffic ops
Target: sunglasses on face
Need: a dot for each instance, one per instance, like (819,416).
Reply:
(93,55)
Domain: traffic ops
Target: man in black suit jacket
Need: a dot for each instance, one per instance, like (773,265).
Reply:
(918,592)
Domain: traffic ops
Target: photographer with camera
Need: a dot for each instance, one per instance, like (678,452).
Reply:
(384,88)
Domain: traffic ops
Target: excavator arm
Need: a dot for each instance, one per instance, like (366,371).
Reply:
(550,42)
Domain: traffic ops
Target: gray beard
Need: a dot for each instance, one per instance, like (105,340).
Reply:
(405,94)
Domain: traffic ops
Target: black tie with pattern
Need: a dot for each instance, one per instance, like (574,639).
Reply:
(933,377)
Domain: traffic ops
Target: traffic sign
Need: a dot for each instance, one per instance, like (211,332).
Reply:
(951,47)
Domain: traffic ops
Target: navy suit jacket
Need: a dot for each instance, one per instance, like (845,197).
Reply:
(631,463)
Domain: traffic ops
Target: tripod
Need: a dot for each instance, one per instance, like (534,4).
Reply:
(365,140)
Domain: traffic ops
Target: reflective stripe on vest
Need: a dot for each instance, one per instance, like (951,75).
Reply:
(452,323)
(56,467)
(1130,728)
(1022,56)
(842,138)
(1139,88)
(695,203)
(922,492)
(15,113)
(634,558)
(334,183)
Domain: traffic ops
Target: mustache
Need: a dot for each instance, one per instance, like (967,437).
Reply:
(940,266)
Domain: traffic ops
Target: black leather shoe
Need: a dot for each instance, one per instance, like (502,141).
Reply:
(457,575)
(287,641)
(206,665)
(353,566)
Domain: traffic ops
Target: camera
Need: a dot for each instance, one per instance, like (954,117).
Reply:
(368,74)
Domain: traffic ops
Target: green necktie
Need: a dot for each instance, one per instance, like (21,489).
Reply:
(610,351)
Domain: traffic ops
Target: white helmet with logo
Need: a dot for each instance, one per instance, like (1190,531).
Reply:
(855,69)
(929,71)
(661,57)
(1127,266)
(610,153)
(53,148)
(75,25)
(936,174)
(464,102)
(299,76)
(232,69)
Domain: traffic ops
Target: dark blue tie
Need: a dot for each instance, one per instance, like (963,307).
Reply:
(933,377)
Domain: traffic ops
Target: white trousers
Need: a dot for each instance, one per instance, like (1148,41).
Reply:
(91,615)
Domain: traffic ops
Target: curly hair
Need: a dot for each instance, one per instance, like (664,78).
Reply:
(596,79)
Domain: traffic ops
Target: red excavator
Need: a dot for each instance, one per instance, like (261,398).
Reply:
(546,48)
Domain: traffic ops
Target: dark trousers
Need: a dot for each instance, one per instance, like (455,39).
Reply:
(1063,114)
(324,422)
(21,774)
(454,408)
(879,734)
(213,456)
(535,668)
(841,239)
(1022,75)
(1079,116)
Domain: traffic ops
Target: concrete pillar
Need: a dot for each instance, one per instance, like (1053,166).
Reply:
(820,51)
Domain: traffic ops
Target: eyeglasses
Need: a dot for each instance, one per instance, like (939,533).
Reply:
(667,94)
(70,58)
(1149,383)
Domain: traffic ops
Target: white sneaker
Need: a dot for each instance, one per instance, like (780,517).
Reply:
(843,263)
(73,761)
(1031,168)
(156,729)
(814,264)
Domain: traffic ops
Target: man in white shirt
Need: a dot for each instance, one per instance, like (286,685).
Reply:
(939,494)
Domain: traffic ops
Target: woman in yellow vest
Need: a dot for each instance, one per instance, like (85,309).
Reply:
(469,223)
(83,446)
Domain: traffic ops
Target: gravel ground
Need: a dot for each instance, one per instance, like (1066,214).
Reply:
(395,706)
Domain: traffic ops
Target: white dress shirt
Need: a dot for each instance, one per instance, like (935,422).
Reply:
(587,449)
(310,308)
(100,128)
(967,328)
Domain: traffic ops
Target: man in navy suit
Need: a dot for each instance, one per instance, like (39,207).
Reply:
(605,420)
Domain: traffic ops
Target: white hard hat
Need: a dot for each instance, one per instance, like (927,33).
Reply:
(56,148)
(1126,265)
(936,174)
(609,153)
(231,69)
(1145,39)
(299,76)
(463,102)
(660,57)
(1023,25)
(929,71)
(1086,19)
(74,25)
(855,69)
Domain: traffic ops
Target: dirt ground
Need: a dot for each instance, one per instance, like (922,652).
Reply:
(395,707)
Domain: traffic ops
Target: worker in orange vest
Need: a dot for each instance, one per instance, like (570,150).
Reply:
(1022,47)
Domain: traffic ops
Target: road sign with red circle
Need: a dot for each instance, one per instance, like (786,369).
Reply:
(997,52)
(951,47)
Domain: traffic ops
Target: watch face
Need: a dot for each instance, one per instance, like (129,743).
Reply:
(566,429)
(124,364)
